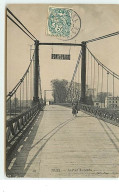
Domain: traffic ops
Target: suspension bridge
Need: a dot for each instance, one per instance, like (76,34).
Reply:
(46,140)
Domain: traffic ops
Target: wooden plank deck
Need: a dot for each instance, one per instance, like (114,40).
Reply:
(59,145)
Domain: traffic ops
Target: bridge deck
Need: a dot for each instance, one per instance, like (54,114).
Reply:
(59,145)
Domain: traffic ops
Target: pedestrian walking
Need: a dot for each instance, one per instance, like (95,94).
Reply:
(74,110)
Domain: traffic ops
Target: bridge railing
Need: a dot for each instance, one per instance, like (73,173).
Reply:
(16,124)
(111,116)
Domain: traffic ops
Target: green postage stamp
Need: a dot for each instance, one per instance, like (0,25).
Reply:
(63,23)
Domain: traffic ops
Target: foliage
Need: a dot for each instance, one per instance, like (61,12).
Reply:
(89,100)
(15,102)
(102,95)
(59,90)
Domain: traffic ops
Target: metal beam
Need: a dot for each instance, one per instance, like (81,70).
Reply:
(83,73)
(61,44)
(36,72)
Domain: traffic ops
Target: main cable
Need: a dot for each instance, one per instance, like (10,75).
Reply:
(20,23)
(103,37)
(19,27)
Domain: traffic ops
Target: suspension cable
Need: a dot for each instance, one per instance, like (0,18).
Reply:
(28,87)
(23,95)
(78,80)
(75,70)
(98,80)
(107,85)
(26,92)
(20,98)
(113,86)
(107,69)
(94,78)
(91,73)
(20,23)
(20,27)
(103,37)
(31,82)
(10,94)
(10,107)
(87,67)
(15,103)
(102,88)
(75,86)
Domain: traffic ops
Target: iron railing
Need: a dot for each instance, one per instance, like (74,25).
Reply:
(16,124)
(108,115)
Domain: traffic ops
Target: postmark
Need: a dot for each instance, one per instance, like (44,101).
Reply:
(63,23)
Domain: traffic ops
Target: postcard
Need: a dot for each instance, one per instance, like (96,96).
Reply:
(62,97)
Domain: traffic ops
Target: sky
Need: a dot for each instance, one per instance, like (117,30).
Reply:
(96,20)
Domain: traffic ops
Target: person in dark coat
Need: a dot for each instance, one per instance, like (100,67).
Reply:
(74,110)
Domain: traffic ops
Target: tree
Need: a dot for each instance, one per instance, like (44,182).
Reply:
(102,95)
(89,100)
(59,90)
(15,103)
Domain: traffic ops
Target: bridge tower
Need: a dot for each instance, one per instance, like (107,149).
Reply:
(83,73)
(36,72)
